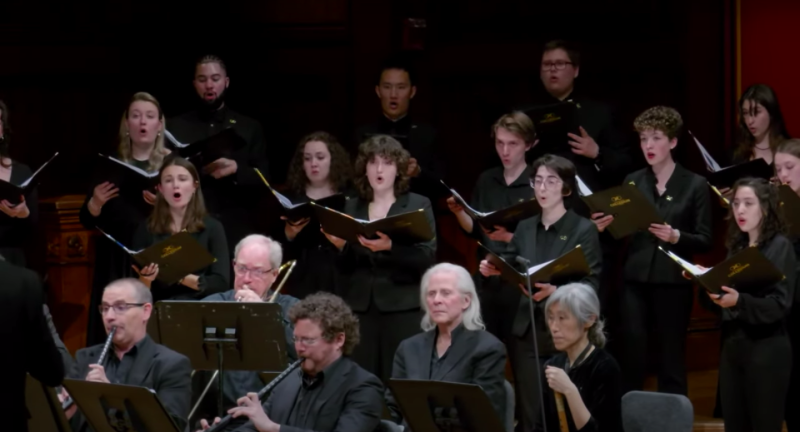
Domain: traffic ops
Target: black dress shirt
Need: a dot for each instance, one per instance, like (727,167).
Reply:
(117,369)
(436,361)
(310,390)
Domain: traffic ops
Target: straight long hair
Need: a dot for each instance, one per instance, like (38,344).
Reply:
(471,318)
(160,221)
(124,148)
(765,96)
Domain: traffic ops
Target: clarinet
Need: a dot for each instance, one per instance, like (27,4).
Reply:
(263,392)
(68,401)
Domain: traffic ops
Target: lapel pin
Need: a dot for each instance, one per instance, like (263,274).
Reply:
(632,183)
(232,121)
(669,198)
(564,238)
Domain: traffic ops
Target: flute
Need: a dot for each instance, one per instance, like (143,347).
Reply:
(227,419)
(69,401)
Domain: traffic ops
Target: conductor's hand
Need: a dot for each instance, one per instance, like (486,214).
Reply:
(102,193)
(72,409)
(500,234)
(251,407)
(97,374)
(221,167)
(294,227)
(488,269)
(602,221)
(545,290)
(382,243)
(149,197)
(148,274)
(205,426)
(454,206)
(727,299)
(584,144)
(336,241)
(245,294)
(559,381)
(413,167)
(15,211)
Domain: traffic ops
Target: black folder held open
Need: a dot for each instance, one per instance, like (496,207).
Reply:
(508,217)
(130,180)
(790,205)
(12,193)
(631,209)
(748,268)
(568,267)
(726,177)
(552,124)
(177,256)
(405,228)
(207,150)
(297,211)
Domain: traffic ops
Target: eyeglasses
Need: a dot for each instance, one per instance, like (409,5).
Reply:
(119,308)
(549,183)
(305,341)
(256,273)
(558,65)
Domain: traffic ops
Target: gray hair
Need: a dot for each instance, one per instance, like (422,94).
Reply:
(471,317)
(140,290)
(275,250)
(582,302)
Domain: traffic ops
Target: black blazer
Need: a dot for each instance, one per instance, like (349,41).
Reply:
(349,402)
(16,233)
(392,277)
(575,231)
(688,209)
(156,367)
(23,328)
(474,357)
(66,357)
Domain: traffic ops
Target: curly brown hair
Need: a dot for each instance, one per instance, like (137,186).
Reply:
(662,118)
(333,316)
(341,170)
(389,149)
(772,222)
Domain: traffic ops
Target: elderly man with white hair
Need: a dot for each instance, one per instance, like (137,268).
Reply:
(455,346)
(257,259)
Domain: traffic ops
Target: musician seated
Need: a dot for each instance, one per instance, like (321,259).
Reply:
(330,392)
(454,346)
(133,358)
(256,262)
(585,374)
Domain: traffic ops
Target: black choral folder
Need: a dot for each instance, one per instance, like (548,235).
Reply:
(741,271)
(207,150)
(552,124)
(130,180)
(790,204)
(12,193)
(508,217)
(570,266)
(297,211)
(407,228)
(726,177)
(177,256)
(631,209)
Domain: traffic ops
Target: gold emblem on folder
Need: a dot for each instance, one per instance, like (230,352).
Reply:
(169,250)
(738,268)
(619,200)
(550,118)
(559,268)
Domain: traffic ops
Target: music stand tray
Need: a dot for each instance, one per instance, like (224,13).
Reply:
(44,408)
(422,401)
(118,408)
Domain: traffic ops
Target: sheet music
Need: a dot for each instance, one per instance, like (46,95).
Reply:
(691,268)
(118,243)
(582,188)
(285,202)
(538,267)
(710,162)
(463,203)
(134,168)
(174,141)
(28,181)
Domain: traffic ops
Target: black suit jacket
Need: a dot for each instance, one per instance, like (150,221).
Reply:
(392,277)
(349,402)
(156,367)
(24,330)
(474,357)
(688,209)
(575,231)
(66,357)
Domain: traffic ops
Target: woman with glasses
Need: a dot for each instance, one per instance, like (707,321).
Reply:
(654,291)
(498,188)
(179,207)
(540,239)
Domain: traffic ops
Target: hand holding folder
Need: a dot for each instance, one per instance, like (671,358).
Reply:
(630,211)
(297,212)
(407,228)
(507,217)
(724,178)
(206,151)
(15,194)
(742,271)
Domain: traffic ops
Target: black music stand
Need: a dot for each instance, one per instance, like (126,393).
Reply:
(44,408)
(120,408)
(438,406)
(219,336)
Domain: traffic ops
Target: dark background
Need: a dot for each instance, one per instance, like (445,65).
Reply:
(67,70)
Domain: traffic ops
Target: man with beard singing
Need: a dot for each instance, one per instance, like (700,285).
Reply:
(230,180)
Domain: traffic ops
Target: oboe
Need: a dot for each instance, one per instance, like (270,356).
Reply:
(68,401)
(263,392)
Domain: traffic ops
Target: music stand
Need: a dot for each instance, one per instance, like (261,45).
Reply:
(425,405)
(120,408)
(219,336)
(44,408)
